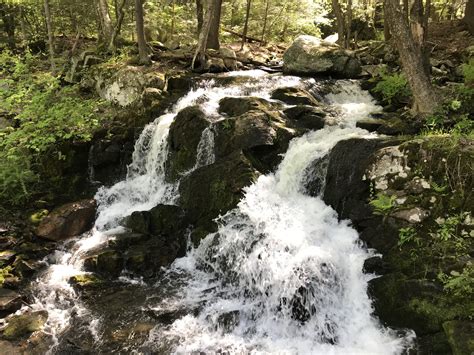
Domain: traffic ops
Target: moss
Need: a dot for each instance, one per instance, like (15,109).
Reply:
(460,336)
(24,324)
(85,280)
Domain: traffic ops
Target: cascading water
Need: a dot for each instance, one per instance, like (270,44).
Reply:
(144,187)
(282,274)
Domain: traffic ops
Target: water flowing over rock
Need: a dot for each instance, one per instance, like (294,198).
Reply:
(311,56)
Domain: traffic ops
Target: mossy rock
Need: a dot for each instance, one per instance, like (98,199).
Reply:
(24,324)
(294,96)
(236,106)
(85,281)
(184,137)
(460,336)
(107,262)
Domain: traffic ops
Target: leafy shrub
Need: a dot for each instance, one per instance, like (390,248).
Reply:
(383,204)
(468,71)
(44,116)
(407,235)
(392,86)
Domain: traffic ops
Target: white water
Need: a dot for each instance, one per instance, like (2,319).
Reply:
(143,188)
(279,251)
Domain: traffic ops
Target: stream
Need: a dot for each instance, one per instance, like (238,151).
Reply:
(281,275)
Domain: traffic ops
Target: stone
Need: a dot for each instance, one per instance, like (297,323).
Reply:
(7,257)
(309,55)
(236,106)
(10,301)
(84,281)
(213,190)
(184,137)
(151,96)
(24,324)
(215,65)
(460,335)
(412,215)
(107,262)
(294,96)
(68,221)
(308,117)
(229,57)
(371,125)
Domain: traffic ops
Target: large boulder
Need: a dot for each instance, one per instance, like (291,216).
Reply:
(68,221)
(10,301)
(213,190)
(184,137)
(309,55)
(24,324)
(294,96)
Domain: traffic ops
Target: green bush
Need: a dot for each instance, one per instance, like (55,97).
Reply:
(468,71)
(392,87)
(45,115)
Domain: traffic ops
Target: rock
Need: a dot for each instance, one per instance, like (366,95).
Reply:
(375,265)
(307,117)
(68,221)
(371,125)
(84,281)
(236,106)
(10,301)
(311,56)
(215,189)
(6,257)
(24,324)
(106,262)
(460,336)
(412,215)
(229,57)
(215,65)
(151,96)
(294,96)
(184,136)
(90,60)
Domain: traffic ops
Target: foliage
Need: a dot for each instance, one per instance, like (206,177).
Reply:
(4,273)
(459,284)
(383,204)
(45,115)
(408,235)
(468,71)
(392,86)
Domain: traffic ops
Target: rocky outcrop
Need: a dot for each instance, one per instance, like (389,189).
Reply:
(409,201)
(68,221)
(311,56)
(185,134)
(22,325)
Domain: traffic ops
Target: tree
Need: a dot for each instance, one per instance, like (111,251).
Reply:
(213,37)
(246,24)
(120,14)
(200,54)
(469,15)
(411,57)
(105,23)
(49,26)
(140,28)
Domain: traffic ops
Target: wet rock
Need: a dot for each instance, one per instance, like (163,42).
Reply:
(412,215)
(229,57)
(7,257)
(24,324)
(10,301)
(106,262)
(294,96)
(370,125)
(314,180)
(84,281)
(236,106)
(311,56)
(215,65)
(308,117)
(162,220)
(68,221)
(375,265)
(215,189)
(184,136)
(460,335)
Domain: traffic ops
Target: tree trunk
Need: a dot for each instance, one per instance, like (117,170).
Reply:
(347,42)
(140,29)
(411,57)
(469,16)
(386,28)
(118,25)
(200,54)
(199,15)
(106,27)
(49,26)
(246,24)
(419,29)
(9,24)
(213,38)
(336,7)
(265,20)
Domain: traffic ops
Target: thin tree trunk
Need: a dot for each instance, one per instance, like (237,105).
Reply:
(200,54)
(246,24)
(173,18)
(200,16)
(49,26)
(386,28)
(105,21)
(118,25)
(411,57)
(469,16)
(140,27)
(336,7)
(265,20)
(348,24)
(213,38)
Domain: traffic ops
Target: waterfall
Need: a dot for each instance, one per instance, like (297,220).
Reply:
(143,188)
(282,274)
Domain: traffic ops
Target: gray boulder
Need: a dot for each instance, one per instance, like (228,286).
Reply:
(309,55)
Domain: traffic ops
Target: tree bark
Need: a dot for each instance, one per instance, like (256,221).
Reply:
(199,15)
(200,54)
(106,28)
(118,25)
(265,20)
(49,26)
(336,7)
(140,29)
(213,38)
(411,57)
(347,42)
(246,24)
(469,16)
